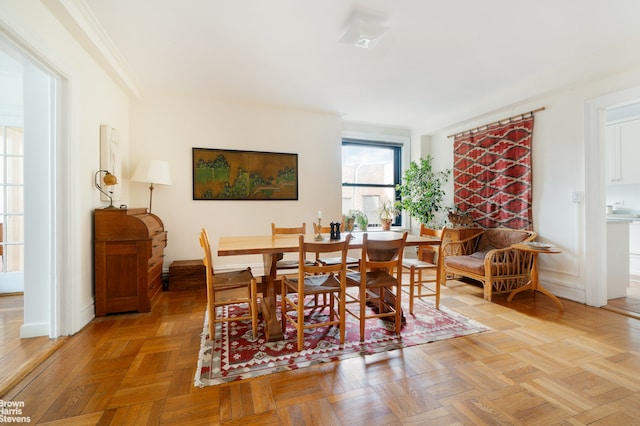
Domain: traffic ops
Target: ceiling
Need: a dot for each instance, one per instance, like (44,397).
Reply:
(439,63)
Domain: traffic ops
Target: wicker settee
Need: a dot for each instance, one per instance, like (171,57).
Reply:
(487,256)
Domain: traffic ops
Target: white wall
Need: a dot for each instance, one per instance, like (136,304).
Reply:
(558,161)
(168,127)
(88,98)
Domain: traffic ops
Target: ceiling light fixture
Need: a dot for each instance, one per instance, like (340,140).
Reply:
(363,29)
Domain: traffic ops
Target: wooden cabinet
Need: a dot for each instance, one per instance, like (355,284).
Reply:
(129,251)
(623,151)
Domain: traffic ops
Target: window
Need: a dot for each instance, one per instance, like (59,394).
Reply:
(370,173)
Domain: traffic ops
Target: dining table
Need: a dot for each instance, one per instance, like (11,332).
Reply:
(273,247)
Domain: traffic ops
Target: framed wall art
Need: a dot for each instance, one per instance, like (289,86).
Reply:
(111,158)
(222,174)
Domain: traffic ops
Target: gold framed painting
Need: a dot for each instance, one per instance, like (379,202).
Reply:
(223,174)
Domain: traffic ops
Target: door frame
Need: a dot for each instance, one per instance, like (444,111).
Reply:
(45,199)
(595,190)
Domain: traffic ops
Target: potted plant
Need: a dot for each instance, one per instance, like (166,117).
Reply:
(355,217)
(387,213)
(421,190)
(457,218)
(348,221)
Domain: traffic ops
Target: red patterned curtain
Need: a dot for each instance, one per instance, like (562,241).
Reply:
(492,174)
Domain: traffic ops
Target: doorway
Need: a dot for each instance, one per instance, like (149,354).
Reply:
(28,112)
(595,190)
(623,207)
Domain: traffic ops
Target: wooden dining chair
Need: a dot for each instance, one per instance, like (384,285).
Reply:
(316,279)
(379,281)
(324,229)
(228,288)
(288,266)
(427,284)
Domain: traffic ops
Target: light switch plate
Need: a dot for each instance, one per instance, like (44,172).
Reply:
(576,196)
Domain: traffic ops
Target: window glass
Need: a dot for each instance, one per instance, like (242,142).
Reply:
(370,173)
(14,170)
(14,254)
(14,141)
(14,229)
(15,199)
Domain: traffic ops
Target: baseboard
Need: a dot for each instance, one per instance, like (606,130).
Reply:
(34,330)
(87,314)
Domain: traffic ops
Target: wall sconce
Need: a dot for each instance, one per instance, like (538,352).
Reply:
(152,171)
(108,180)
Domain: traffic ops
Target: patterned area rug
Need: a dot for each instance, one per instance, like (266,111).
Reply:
(235,355)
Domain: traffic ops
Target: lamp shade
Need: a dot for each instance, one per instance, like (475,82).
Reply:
(152,171)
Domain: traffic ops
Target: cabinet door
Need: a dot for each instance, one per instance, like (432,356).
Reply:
(630,151)
(634,251)
(122,277)
(634,237)
(613,153)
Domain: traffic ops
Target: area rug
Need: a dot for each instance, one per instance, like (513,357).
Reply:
(234,354)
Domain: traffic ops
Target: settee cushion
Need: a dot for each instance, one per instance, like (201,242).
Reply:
(472,264)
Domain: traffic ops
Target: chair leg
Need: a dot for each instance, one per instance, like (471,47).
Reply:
(487,291)
(212,314)
(363,306)
(211,325)
(254,307)
(300,323)
(437,294)
(398,307)
(342,307)
(412,283)
(332,305)
(283,307)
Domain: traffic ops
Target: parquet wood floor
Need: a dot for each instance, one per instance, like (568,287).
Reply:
(17,356)
(534,366)
(629,305)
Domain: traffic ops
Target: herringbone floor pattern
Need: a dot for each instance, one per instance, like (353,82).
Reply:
(534,367)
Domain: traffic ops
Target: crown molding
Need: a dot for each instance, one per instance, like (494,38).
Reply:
(82,24)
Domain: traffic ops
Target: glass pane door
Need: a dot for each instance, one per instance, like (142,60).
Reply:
(11,207)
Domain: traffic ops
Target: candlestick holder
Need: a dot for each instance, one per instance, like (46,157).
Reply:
(319,236)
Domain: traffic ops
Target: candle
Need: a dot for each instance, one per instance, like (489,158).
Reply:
(319,214)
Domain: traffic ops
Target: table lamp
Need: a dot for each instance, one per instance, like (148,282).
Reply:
(152,172)
(108,180)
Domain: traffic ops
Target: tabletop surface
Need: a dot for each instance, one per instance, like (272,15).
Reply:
(261,244)
(536,249)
